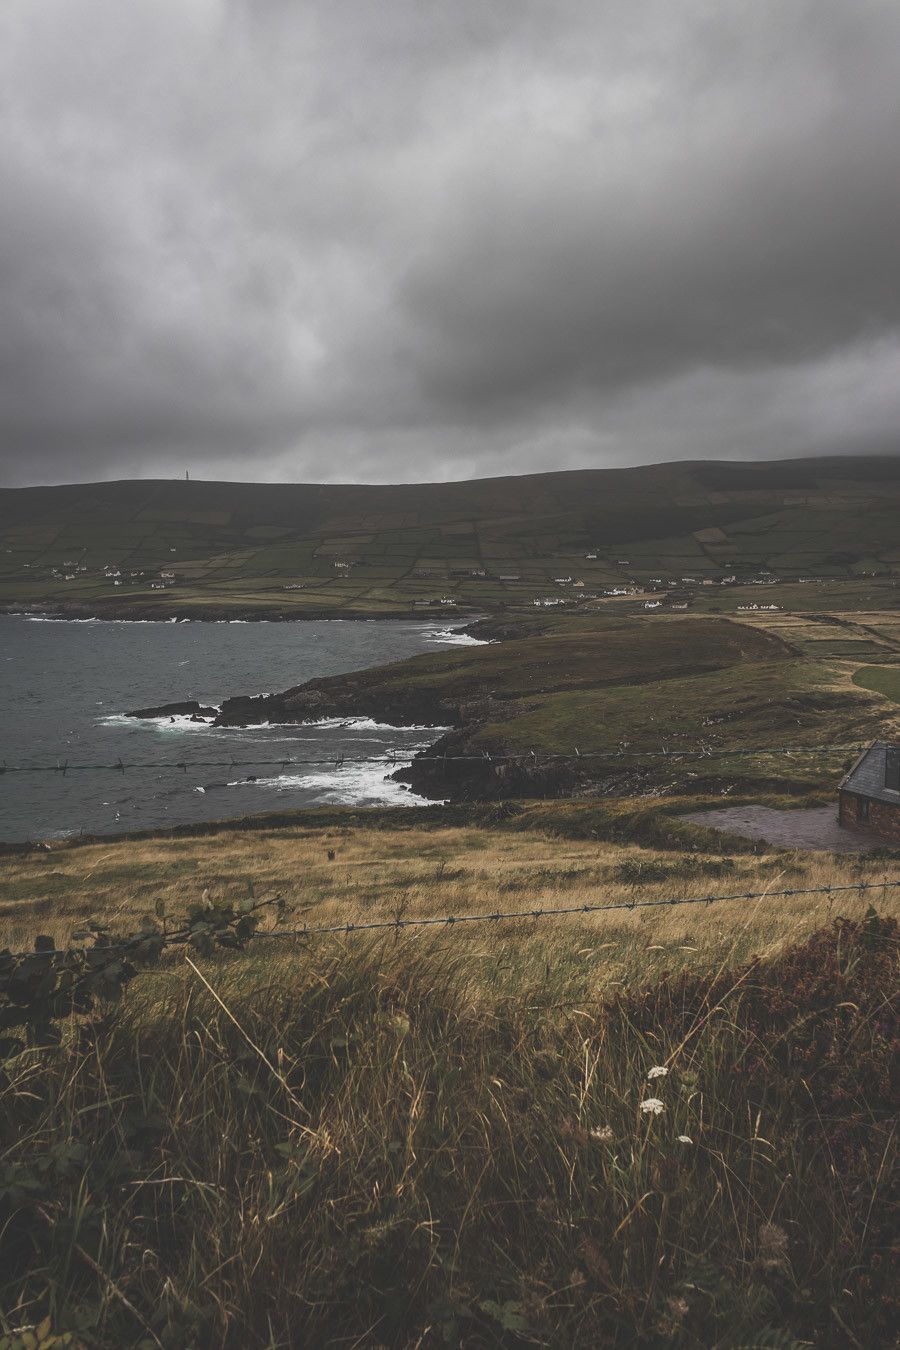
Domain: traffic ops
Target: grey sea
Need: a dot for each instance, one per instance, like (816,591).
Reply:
(66,685)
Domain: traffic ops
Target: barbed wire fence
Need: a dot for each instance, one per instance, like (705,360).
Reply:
(451,921)
(399,757)
(556,911)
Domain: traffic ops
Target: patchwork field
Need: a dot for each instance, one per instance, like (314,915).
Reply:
(830,527)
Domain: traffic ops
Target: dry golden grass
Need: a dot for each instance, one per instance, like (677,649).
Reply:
(379,875)
(440,1137)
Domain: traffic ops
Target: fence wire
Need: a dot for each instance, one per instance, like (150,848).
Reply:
(449,921)
(396,758)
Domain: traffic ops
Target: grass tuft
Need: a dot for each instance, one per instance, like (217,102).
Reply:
(390,1143)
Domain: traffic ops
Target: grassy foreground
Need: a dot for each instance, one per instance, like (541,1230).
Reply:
(548,854)
(438,1139)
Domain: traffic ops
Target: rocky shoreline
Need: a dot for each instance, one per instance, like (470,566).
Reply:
(469,699)
(448,769)
(339,696)
(435,772)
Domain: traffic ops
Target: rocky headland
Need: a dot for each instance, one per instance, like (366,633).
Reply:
(377,693)
(510,716)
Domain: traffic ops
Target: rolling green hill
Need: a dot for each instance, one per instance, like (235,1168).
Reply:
(307,549)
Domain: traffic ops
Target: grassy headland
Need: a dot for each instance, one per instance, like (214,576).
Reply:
(420,863)
(619,691)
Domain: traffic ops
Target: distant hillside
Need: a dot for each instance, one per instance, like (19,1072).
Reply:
(310,548)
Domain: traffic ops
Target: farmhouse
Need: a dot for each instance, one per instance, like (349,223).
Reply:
(679,598)
(869,797)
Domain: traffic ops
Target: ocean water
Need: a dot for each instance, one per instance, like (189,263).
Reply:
(65,685)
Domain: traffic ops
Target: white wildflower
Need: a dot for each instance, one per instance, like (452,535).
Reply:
(679,1308)
(603,1134)
(653,1107)
(658,1071)
(685,1139)
(772,1247)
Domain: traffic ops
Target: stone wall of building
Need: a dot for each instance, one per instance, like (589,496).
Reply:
(884,817)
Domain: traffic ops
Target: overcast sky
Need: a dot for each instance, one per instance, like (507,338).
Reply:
(387,240)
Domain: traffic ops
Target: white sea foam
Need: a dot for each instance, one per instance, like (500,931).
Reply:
(453,637)
(363,724)
(350,785)
(184,722)
(181,722)
(52,618)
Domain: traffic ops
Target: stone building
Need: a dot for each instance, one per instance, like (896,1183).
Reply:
(869,796)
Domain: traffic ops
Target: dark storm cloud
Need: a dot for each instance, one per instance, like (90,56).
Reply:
(418,240)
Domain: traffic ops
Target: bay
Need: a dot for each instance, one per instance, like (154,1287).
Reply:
(65,685)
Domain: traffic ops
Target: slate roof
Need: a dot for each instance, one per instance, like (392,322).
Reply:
(867,775)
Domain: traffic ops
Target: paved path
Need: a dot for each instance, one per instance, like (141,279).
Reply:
(808,828)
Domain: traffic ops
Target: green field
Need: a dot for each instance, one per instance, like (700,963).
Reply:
(881,679)
(304,549)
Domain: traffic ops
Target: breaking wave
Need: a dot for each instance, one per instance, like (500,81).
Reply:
(347,785)
(454,637)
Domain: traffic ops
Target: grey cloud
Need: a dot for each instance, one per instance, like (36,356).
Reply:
(768,238)
(417,240)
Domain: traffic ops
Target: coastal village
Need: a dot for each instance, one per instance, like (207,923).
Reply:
(658,593)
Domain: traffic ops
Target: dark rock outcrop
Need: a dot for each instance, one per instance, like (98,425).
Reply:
(453,770)
(355,695)
(191,708)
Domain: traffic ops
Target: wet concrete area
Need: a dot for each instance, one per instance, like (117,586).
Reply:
(814,828)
